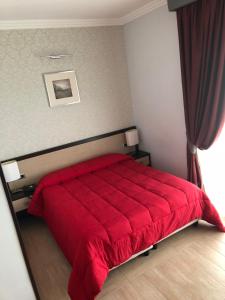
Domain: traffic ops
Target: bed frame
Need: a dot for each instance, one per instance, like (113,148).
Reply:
(146,252)
(35,165)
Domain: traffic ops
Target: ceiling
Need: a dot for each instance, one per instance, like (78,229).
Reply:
(114,12)
(67,9)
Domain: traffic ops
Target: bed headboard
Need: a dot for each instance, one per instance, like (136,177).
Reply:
(35,165)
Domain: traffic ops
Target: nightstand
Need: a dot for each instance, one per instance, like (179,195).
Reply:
(142,157)
(21,197)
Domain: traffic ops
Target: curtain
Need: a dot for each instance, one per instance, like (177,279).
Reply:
(201,28)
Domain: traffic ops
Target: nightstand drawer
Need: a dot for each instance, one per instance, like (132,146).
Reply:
(144,160)
(21,204)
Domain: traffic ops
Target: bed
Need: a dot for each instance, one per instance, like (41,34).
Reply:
(105,210)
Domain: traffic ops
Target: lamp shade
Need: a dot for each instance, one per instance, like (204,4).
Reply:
(11,171)
(132,137)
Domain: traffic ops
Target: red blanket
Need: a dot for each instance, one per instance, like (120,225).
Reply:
(104,210)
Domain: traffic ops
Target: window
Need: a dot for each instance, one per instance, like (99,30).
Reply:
(212,163)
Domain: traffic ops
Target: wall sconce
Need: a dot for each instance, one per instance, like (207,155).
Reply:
(56,56)
(132,139)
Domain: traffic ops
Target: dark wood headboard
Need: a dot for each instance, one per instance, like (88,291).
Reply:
(36,165)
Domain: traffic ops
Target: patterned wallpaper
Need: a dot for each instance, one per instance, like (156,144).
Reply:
(27,123)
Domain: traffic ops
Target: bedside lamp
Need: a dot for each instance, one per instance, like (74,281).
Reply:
(11,171)
(132,139)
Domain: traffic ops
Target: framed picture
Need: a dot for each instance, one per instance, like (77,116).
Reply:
(62,88)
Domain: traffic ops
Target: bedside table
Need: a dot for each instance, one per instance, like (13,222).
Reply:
(142,157)
(21,197)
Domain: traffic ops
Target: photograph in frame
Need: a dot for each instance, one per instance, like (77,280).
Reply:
(62,88)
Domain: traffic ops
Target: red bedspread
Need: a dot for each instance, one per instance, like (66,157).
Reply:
(103,211)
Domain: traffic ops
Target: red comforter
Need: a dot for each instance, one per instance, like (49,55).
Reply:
(104,210)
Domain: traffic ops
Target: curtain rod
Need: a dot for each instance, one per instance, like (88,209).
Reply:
(176,4)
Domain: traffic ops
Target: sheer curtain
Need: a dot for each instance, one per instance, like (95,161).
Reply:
(212,164)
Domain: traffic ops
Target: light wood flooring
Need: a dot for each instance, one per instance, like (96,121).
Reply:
(187,266)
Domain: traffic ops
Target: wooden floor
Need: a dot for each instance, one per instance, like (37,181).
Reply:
(187,266)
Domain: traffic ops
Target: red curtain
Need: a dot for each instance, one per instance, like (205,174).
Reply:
(201,28)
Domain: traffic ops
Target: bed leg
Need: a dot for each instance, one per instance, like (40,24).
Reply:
(195,224)
(146,253)
(155,247)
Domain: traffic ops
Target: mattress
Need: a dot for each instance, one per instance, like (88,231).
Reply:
(103,211)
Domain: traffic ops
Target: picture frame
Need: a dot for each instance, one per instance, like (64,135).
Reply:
(62,88)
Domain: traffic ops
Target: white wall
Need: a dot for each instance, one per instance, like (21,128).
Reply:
(27,123)
(14,280)
(156,90)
